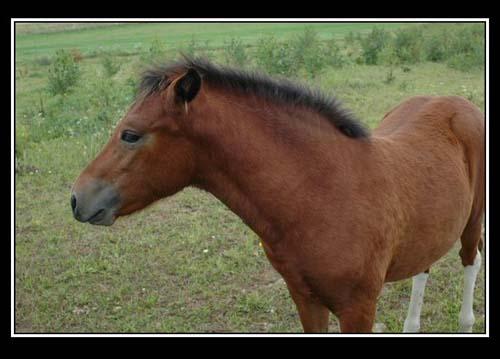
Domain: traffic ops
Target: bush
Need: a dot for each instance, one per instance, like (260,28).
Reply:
(93,107)
(388,56)
(350,39)
(309,53)
(111,67)
(107,100)
(334,55)
(191,48)
(466,49)
(460,47)
(304,43)
(373,44)
(275,57)
(154,53)
(156,49)
(43,124)
(77,55)
(465,62)
(408,45)
(63,73)
(303,52)
(234,52)
(437,46)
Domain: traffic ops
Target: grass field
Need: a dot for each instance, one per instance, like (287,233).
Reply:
(133,38)
(186,263)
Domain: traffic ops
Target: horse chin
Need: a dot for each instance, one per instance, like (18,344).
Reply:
(107,220)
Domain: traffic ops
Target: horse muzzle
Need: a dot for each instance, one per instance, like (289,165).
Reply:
(95,203)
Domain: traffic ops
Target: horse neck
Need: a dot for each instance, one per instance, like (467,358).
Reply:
(262,161)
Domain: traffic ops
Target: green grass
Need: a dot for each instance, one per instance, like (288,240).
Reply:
(187,263)
(134,38)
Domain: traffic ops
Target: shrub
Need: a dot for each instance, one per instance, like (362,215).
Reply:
(205,51)
(111,67)
(437,46)
(154,53)
(314,61)
(234,52)
(77,55)
(466,50)
(334,55)
(42,123)
(388,56)
(63,73)
(465,62)
(108,98)
(303,52)
(460,47)
(373,44)
(408,45)
(275,57)
(350,38)
(156,49)
(308,52)
(93,107)
(304,43)
(191,47)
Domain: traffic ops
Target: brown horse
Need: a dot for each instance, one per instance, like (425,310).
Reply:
(340,211)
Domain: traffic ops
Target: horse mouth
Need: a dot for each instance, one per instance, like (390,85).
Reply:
(102,218)
(96,203)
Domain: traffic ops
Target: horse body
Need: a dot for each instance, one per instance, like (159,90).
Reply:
(338,214)
(406,199)
(429,162)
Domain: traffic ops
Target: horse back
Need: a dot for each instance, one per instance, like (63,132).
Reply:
(443,121)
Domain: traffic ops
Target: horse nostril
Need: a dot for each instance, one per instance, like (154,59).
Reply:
(73,202)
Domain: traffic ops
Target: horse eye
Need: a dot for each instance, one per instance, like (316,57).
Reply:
(130,137)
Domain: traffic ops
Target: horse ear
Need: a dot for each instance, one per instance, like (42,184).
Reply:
(188,86)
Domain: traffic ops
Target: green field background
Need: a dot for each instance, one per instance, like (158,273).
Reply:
(129,37)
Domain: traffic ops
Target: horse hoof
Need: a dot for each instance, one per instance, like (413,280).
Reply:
(411,327)
(379,328)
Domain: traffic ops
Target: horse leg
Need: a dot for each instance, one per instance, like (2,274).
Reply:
(359,317)
(466,311)
(313,315)
(471,259)
(412,322)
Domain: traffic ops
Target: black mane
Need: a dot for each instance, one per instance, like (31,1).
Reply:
(276,90)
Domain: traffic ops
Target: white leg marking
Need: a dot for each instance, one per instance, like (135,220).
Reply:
(379,328)
(466,313)
(412,322)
